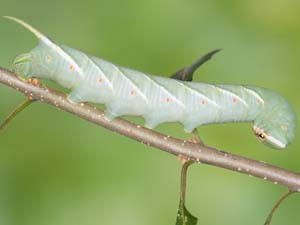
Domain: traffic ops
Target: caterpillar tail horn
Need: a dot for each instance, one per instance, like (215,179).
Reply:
(38,34)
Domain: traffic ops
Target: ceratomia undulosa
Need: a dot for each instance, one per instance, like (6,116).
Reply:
(128,92)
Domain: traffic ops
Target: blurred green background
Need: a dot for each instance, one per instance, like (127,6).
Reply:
(58,169)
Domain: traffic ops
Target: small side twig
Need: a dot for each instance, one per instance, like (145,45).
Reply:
(14,113)
(183,177)
(276,205)
(186,163)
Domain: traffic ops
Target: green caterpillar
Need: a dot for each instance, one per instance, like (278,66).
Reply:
(157,99)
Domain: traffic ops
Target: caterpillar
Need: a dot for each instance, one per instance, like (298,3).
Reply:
(157,99)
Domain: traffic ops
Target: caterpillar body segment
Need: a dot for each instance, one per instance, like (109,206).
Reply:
(157,99)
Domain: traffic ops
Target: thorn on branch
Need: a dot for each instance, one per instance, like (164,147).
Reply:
(187,72)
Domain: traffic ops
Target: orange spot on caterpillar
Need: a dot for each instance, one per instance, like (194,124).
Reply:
(100,81)
(234,100)
(203,102)
(48,58)
(71,67)
(132,92)
(168,100)
(258,101)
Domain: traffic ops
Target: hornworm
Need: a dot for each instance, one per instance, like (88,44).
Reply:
(128,92)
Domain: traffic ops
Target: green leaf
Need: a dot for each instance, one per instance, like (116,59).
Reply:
(184,217)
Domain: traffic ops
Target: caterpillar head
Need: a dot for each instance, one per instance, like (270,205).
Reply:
(22,64)
(276,127)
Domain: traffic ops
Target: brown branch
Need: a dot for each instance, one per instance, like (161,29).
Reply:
(175,146)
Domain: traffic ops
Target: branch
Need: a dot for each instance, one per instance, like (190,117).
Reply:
(194,152)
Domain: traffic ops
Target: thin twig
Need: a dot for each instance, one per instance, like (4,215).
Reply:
(195,152)
(186,163)
(14,113)
(183,177)
(276,205)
